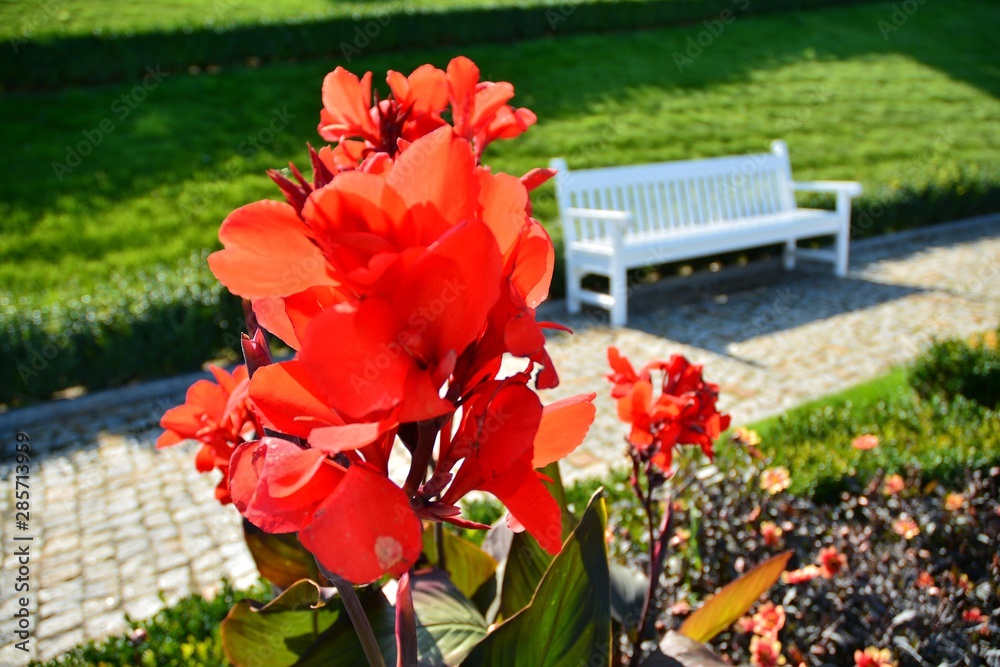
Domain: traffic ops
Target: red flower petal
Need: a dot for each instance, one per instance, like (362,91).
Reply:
(364,529)
(563,427)
(268,253)
(288,401)
(356,357)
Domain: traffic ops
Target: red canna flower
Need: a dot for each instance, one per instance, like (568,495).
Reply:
(216,414)
(684,413)
(402,274)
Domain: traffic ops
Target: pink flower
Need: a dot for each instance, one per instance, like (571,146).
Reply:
(771,533)
(893,484)
(765,652)
(775,480)
(802,575)
(769,619)
(873,657)
(954,502)
(906,527)
(831,562)
(865,442)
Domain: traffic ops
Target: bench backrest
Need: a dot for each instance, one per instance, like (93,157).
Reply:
(678,195)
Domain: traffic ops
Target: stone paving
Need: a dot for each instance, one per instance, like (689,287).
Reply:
(115,522)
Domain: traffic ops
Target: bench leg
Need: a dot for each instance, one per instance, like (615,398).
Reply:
(842,252)
(789,254)
(572,288)
(619,291)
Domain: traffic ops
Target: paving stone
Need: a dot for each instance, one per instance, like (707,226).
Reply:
(58,644)
(59,624)
(102,625)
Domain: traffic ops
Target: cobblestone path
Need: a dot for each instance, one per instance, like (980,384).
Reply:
(114,522)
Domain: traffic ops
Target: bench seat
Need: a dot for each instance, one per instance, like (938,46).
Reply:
(621,218)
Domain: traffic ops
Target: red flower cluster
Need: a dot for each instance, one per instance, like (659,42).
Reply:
(684,413)
(363,125)
(216,414)
(401,275)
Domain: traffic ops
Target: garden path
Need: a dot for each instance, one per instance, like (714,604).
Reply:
(114,521)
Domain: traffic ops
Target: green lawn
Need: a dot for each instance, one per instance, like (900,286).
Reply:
(40,19)
(894,114)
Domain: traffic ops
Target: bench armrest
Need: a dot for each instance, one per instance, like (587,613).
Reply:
(621,217)
(849,188)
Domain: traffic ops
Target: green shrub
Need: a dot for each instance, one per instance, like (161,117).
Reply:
(167,321)
(953,368)
(184,635)
(105,57)
(937,437)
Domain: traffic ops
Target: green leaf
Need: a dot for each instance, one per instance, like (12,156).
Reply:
(280,559)
(448,624)
(524,568)
(307,626)
(469,566)
(734,600)
(568,621)
(293,625)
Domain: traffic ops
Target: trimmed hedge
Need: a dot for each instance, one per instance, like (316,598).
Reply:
(55,62)
(165,322)
(955,367)
(183,635)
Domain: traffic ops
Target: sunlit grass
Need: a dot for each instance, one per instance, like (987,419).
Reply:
(851,105)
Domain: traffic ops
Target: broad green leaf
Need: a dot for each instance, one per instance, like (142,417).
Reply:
(307,626)
(469,566)
(448,624)
(734,600)
(628,592)
(526,564)
(293,625)
(568,622)
(280,559)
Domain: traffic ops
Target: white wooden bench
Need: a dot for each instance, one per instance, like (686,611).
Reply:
(620,218)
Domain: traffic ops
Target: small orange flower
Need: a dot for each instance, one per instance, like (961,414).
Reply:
(775,480)
(906,527)
(925,580)
(874,657)
(831,562)
(771,533)
(954,502)
(802,575)
(865,442)
(769,619)
(766,652)
(893,484)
